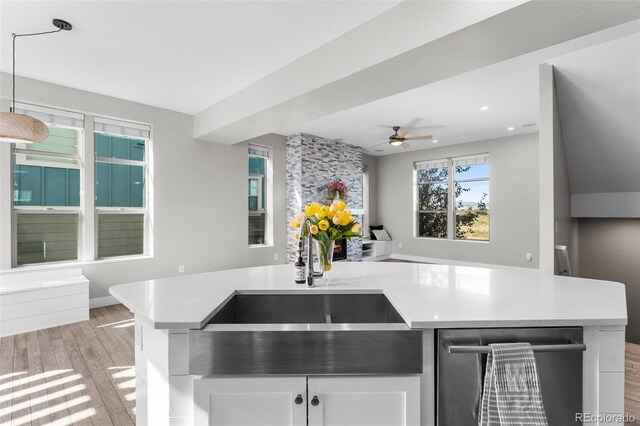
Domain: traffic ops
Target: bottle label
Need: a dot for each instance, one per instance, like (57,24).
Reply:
(299,273)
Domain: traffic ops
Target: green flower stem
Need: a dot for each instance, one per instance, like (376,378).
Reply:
(325,254)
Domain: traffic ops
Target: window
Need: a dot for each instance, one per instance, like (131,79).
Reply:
(121,194)
(53,220)
(46,190)
(471,177)
(258,193)
(452,198)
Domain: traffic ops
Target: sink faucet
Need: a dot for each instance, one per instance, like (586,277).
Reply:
(312,275)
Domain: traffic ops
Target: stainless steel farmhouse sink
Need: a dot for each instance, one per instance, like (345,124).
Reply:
(256,334)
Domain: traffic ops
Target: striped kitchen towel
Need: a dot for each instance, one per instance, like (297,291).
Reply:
(511,394)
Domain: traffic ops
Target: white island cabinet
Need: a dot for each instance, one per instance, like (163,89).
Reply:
(427,297)
(329,401)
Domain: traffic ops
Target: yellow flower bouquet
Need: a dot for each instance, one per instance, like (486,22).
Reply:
(326,224)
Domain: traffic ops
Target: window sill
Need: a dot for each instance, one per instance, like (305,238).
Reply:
(259,246)
(75,263)
(454,239)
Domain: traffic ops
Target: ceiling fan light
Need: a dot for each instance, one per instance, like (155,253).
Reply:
(395,142)
(20,128)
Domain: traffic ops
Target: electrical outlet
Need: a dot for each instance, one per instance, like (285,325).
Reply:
(529,257)
(399,245)
(181,269)
(275,256)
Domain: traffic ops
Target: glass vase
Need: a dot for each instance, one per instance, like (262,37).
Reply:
(325,256)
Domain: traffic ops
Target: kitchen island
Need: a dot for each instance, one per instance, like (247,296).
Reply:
(427,297)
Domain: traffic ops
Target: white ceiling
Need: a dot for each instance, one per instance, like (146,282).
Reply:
(452,106)
(179,55)
(449,110)
(598,91)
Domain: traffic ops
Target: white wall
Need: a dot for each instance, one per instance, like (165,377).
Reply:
(513,206)
(199,193)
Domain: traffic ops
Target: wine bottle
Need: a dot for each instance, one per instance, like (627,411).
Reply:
(300,270)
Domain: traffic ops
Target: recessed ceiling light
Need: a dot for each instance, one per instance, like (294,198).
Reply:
(435,141)
(484,108)
(379,150)
(511,128)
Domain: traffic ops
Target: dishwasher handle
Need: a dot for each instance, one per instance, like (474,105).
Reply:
(453,349)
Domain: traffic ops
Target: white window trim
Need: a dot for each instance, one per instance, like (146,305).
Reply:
(87,212)
(268,208)
(15,210)
(450,163)
(146,244)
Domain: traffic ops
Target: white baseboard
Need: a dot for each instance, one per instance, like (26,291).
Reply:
(98,302)
(437,261)
(376,258)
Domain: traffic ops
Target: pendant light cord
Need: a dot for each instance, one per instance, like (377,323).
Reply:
(13,100)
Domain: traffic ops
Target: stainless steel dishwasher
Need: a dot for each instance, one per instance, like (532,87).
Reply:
(461,362)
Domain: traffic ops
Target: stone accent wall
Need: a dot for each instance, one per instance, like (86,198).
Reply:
(312,163)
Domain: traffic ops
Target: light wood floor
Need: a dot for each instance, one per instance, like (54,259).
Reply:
(81,373)
(632,381)
(84,373)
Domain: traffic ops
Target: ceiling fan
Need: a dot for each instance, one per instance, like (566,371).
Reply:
(400,137)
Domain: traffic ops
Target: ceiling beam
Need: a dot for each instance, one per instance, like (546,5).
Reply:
(350,71)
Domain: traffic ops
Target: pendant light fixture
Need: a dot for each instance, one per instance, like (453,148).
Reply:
(21,128)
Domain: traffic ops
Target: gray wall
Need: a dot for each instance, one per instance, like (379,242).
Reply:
(312,163)
(609,250)
(565,227)
(199,193)
(372,168)
(513,206)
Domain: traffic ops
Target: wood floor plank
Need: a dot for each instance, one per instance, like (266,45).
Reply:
(115,340)
(125,315)
(107,364)
(20,393)
(55,391)
(72,357)
(100,377)
(76,394)
(101,417)
(6,377)
(632,381)
(38,387)
(122,419)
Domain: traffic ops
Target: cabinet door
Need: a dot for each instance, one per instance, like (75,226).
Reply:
(365,401)
(250,401)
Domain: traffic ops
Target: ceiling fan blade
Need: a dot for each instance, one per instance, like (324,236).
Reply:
(418,138)
(401,134)
(435,126)
(383,143)
(413,123)
(404,144)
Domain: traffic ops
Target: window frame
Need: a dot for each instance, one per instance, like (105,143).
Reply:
(87,232)
(455,213)
(98,210)
(47,210)
(265,184)
(451,199)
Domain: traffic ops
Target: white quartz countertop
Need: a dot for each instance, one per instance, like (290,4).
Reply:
(427,296)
